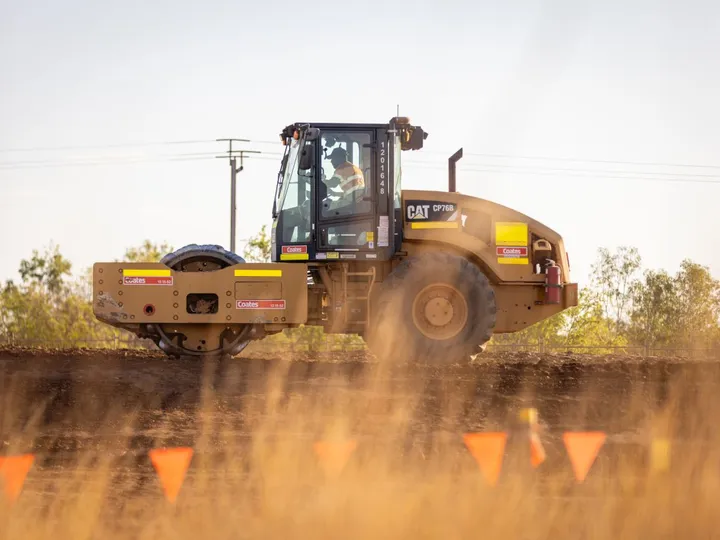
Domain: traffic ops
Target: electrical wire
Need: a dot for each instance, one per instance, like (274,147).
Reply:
(562,171)
(129,161)
(471,166)
(578,175)
(579,160)
(103,146)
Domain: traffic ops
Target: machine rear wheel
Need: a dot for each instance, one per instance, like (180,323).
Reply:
(200,339)
(433,308)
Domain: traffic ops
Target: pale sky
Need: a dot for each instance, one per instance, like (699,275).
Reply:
(611,100)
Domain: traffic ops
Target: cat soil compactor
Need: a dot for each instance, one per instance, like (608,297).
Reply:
(420,275)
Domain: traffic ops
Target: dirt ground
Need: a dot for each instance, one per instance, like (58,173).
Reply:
(84,411)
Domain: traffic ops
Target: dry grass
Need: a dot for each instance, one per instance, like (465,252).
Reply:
(271,486)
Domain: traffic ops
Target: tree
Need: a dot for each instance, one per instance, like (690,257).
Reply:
(614,278)
(258,247)
(654,319)
(47,271)
(698,304)
(545,332)
(46,307)
(599,318)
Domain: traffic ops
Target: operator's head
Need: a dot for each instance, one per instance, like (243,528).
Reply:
(338,156)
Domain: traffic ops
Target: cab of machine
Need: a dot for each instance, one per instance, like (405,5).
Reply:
(338,194)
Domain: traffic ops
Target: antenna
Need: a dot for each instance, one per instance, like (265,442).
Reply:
(231,154)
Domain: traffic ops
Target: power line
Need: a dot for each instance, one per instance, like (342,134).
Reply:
(572,170)
(550,158)
(425,151)
(583,160)
(497,168)
(552,173)
(101,159)
(102,146)
(584,173)
(59,164)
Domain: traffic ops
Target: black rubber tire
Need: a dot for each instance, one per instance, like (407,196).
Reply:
(190,252)
(393,336)
(187,254)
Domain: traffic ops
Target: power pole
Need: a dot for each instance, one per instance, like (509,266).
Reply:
(234,169)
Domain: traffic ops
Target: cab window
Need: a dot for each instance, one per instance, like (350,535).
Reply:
(346,174)
(295,201)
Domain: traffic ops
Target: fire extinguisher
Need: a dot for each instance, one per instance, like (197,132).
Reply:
(552,282)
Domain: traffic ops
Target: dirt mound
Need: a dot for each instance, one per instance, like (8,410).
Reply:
(91,417)
(78,391)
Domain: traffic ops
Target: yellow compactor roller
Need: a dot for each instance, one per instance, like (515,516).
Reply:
(420,275)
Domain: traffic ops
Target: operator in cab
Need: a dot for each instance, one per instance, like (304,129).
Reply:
(348,179)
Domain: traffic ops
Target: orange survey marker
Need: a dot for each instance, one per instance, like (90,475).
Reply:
(529,416)
(13,471)
(334,455)
(488,450)
(582,449)
(171,465)
(537,451)
(659,455)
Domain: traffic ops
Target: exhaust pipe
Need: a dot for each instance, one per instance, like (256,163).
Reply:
(451,169)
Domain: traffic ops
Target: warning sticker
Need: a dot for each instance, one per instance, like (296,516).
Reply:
(513,260)
(383,231)
(260,304)
(511,234)
(512,251)
(147,280)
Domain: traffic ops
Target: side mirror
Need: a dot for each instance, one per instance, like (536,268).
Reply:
(307,157)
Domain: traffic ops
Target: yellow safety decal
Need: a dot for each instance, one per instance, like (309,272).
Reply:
(511,234)
(333,255)
(258,273)
(370,236)
(434,225)
(150,272)
(294,256)
(508,260)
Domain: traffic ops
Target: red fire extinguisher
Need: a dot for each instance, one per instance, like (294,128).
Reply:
(552,282)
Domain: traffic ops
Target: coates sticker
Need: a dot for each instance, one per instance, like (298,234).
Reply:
(430,211)
(147,280)
(260,304)
(294,249)
(512,251)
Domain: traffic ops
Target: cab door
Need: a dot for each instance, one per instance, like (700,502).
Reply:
(293,227)
(348,195)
